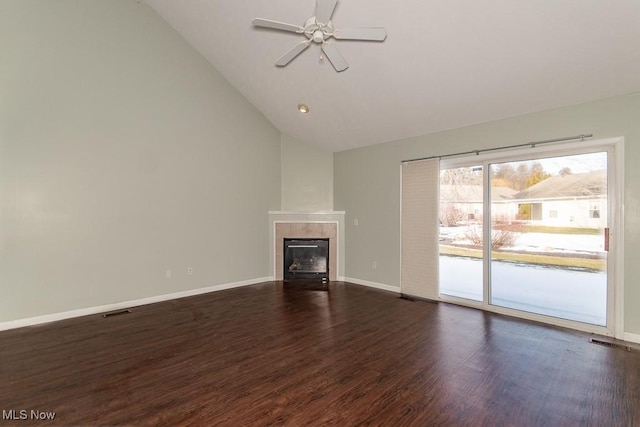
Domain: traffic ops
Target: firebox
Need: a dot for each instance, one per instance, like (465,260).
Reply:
(306,259)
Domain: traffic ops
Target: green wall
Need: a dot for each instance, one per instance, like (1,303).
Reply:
(367,183)
(307,177)
(123,154)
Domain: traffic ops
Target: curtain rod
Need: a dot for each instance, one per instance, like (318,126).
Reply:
(486,150)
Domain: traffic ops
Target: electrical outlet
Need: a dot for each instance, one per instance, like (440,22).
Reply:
(355,222)
(375,265)
(189,271)
(167,274)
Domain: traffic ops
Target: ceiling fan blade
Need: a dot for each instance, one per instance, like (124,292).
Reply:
(297,50)
(335,57)
(324,10)
(267,23)
(371,34)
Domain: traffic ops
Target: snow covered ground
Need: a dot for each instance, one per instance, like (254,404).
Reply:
(547,242)
(549,290)
(535,242)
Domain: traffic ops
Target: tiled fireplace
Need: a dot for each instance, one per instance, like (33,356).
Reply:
(308,225)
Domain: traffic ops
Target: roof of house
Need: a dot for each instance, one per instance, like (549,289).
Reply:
(590,184)
(567,186)
(473,193)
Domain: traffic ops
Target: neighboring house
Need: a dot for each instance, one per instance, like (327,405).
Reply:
(574,200)
(463,203)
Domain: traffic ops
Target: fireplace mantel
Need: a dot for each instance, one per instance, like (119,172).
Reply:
(288,224)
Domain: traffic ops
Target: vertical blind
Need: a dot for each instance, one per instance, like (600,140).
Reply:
(419,228)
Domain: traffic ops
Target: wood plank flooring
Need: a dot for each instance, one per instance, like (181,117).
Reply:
(275,354)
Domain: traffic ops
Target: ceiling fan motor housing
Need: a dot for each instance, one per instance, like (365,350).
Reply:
(317,32)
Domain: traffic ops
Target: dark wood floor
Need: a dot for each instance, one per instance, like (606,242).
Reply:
(275,354)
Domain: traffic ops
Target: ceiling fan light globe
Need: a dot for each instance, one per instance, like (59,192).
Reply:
(318,36)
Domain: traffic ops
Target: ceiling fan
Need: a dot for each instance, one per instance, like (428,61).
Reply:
(319,29)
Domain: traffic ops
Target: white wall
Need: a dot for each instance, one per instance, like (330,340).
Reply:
(307,177)
(123,154)
(367,183)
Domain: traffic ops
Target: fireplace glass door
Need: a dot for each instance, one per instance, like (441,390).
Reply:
(306,259)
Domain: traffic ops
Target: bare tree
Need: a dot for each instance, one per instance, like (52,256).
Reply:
(502,235)
(450,215)
(461,176)
(565,171)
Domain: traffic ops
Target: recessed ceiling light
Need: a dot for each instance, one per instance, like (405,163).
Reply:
(303,108)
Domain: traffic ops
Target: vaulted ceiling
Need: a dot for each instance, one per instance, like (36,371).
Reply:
(444,65)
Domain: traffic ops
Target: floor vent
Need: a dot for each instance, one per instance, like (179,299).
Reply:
(610,344)
(116,313)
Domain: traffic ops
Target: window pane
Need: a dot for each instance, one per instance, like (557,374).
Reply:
(461,207)
(547,236)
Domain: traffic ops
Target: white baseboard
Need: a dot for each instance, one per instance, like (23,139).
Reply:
(13,324)
(632,337)
(373,284)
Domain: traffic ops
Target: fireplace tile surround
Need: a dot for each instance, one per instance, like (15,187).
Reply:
(327,224)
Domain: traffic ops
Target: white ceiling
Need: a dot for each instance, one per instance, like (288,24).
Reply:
(445,63)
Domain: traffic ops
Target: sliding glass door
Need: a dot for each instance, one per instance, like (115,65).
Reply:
(548,253)
(547,216)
